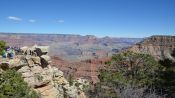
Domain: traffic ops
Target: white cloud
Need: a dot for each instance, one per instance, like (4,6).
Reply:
(32,20)
(14,18)
(60,21)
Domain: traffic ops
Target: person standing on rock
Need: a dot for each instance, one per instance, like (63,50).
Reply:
(10,53)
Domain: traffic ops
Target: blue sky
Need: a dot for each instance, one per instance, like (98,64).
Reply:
(115,18)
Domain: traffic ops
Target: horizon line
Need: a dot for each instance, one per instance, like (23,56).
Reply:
(78,34)
(69,34)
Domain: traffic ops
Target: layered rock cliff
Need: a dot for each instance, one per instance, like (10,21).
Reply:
(161,47)
(48,81)
(21,39)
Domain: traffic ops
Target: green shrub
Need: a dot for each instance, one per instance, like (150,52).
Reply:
(167,82)
(2,46)
(128,69)
(132,68)
(12,85)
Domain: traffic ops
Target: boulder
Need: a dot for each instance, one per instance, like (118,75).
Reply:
(45,60)
(36,69)
(24,69)
(30,62)
(27,74)
(41,50)
(36,60)
(24,49)
(49,92)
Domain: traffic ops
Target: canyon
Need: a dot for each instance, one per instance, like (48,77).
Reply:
(82,56)
(77,56)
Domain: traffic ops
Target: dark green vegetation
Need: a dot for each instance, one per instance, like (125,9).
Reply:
(133,75)
(12,85)
(2,47)
(168,76)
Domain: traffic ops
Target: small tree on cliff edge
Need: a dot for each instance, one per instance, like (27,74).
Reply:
(12,85)
(128,69)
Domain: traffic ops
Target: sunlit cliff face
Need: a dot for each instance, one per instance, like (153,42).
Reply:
(161,47)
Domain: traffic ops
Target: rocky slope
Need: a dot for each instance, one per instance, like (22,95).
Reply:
(161,47)
(48,81)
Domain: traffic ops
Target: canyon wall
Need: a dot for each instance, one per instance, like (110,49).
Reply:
(161,47)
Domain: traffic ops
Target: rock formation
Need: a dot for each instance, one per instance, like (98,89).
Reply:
(69,53)
(21,39)
(48,81)
(161,47)
(70,47)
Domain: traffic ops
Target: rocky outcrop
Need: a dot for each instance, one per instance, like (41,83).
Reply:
(48,81)
(161,47)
